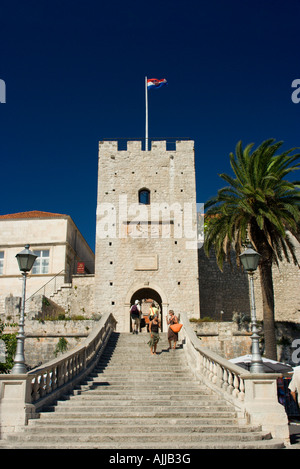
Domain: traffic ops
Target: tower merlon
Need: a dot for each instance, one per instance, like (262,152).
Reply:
(120,145)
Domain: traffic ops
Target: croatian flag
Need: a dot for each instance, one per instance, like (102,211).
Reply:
(153,83)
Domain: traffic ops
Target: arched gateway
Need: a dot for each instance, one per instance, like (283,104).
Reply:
(146,294)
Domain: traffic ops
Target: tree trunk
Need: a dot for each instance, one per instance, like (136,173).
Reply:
(266,280)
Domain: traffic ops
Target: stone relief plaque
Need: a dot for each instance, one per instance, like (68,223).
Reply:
(146,262)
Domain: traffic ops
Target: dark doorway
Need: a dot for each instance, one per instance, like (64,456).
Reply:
(146,296)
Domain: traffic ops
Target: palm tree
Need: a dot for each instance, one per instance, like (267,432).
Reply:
(259,203)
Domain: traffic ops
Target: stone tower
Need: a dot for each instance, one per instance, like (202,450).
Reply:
(146,234)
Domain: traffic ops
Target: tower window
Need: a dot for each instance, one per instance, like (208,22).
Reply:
(144,196)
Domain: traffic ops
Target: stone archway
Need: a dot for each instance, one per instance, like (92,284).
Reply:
(146,296)
(146,292)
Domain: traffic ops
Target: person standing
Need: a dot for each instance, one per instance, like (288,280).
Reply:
(172,336)
(294,386)
(135,313)
(153,311)
(154,327)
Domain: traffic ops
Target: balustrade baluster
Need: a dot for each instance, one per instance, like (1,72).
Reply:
(225,379)
(230,383)
(65,370)
(42,385)
(35,389)
(219,376)
(54,379)
(206,366)
(60,374)
(214,371)
(242,390)
(236,383)
(48,382)
(69,370)
(76,364)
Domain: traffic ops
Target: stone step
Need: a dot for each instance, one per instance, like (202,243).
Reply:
(132,399)
(265,444)
(144,445)
(138,409)
(143,368)
(140,429)
(100,380)
(127,438)
(75,414)
(147,392)
(133,373)
(132,388)
(116,387)
(96,420)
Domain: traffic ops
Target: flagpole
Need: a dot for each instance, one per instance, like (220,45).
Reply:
(146,97)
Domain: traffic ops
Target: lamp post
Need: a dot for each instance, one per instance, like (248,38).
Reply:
(250,259)
(25,260)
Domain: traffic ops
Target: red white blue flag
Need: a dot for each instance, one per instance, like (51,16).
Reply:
(153,83)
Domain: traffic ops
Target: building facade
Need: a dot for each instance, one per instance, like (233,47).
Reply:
(146,232)
(54,238)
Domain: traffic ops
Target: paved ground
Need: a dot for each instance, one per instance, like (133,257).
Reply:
(295,435)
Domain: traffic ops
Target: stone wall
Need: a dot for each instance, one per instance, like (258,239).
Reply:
(286,281)
(42,337)
(231,340)
(226,291)
(224,338)
(78,297)
(40,307)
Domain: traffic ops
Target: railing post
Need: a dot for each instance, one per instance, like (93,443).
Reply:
(261,404)
(15,403)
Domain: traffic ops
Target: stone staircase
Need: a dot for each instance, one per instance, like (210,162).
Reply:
(135,400)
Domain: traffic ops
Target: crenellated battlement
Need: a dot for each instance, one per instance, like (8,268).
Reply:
(121,145)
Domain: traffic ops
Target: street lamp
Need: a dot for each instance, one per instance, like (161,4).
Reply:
(25,260)
(250,259)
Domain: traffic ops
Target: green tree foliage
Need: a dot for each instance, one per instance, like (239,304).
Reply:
(10,342)
(258,202)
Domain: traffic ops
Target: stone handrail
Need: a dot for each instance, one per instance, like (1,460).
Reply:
(63,370)
(21,396)
(254,396)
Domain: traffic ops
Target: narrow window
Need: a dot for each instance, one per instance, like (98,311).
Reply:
(144,196)
(1,262)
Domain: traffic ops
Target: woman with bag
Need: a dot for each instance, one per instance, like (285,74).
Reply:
(172,336)
(152,312)
(154,334)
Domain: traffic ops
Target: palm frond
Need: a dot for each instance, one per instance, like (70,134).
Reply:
(257,200)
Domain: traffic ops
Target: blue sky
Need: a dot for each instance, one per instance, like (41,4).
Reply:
(75,71)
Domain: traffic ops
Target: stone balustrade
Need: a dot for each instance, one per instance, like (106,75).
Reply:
(253,395)
(21,396)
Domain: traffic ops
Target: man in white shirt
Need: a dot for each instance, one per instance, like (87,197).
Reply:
(294,386)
